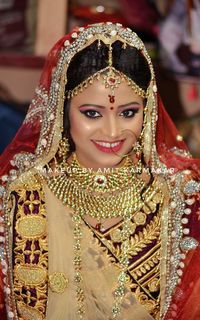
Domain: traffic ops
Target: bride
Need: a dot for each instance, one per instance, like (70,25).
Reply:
(100,196)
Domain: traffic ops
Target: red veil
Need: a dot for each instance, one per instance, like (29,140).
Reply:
(171,150)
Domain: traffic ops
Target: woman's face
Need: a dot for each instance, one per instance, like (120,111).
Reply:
(103,131)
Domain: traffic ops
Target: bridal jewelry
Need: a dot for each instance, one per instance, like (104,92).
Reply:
(117,192)
(63,148)
(111,78)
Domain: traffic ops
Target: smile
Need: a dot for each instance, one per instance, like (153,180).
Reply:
(109,147)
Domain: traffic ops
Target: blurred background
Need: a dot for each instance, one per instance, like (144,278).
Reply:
(169,28)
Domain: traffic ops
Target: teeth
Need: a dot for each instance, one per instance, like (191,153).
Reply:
(107,144)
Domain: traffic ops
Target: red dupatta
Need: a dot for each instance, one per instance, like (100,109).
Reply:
(171,150)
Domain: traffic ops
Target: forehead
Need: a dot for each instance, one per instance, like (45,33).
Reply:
(96,92)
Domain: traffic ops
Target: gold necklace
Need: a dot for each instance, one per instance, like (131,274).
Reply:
(103,194)
(118,193)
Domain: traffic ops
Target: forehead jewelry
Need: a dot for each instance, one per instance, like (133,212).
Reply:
(111,80)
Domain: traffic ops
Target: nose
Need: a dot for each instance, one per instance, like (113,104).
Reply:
(111,127)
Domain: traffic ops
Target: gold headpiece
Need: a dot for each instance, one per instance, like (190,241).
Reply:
(111,77)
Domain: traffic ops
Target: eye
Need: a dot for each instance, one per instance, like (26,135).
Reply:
(129,113)
(91,113)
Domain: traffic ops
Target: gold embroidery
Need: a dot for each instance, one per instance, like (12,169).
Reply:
(154,285)
(150,305)
(147,265)
(31,226)
(138,241)
(58,282)
(143,247)
(30,249)
(30,275)
(28,313)
(140,218)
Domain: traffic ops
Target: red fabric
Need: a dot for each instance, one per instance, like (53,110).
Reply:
(26,141)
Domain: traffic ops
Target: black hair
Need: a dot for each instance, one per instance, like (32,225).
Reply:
(93,58)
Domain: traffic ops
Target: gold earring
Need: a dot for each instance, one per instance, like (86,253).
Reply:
(63,148)
(137,149)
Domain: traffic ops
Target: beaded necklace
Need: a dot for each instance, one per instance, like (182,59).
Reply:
(114,193)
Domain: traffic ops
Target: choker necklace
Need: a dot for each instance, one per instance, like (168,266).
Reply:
(106,193)
(117,192)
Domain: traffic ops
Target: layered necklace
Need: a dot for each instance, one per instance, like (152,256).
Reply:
(104,194)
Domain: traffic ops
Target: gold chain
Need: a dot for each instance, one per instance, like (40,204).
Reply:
(118,193)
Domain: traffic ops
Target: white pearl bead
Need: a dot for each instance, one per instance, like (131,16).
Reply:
(173,204)
(2,239)
(190,201)
(180,272)
(187,211)
(181,264)
(74,35)
(66,43)
(44,142)
(11,314)
(184,220)
(186,231)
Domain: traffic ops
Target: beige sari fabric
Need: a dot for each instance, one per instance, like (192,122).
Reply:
(100,274)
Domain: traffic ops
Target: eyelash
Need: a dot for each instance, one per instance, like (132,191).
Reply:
(88,113)
(133,112)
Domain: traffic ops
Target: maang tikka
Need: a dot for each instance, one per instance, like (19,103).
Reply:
(111,80)
(111,77)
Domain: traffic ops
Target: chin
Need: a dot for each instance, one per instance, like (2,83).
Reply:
(108,162)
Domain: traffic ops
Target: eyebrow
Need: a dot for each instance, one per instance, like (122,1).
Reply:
(103,107)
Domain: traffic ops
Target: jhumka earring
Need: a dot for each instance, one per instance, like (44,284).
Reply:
(63,151)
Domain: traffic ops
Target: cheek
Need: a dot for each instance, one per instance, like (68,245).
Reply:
(80,127)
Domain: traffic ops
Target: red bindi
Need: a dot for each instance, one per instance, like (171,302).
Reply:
(111,108)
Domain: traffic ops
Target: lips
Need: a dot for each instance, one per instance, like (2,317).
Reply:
(109,147)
